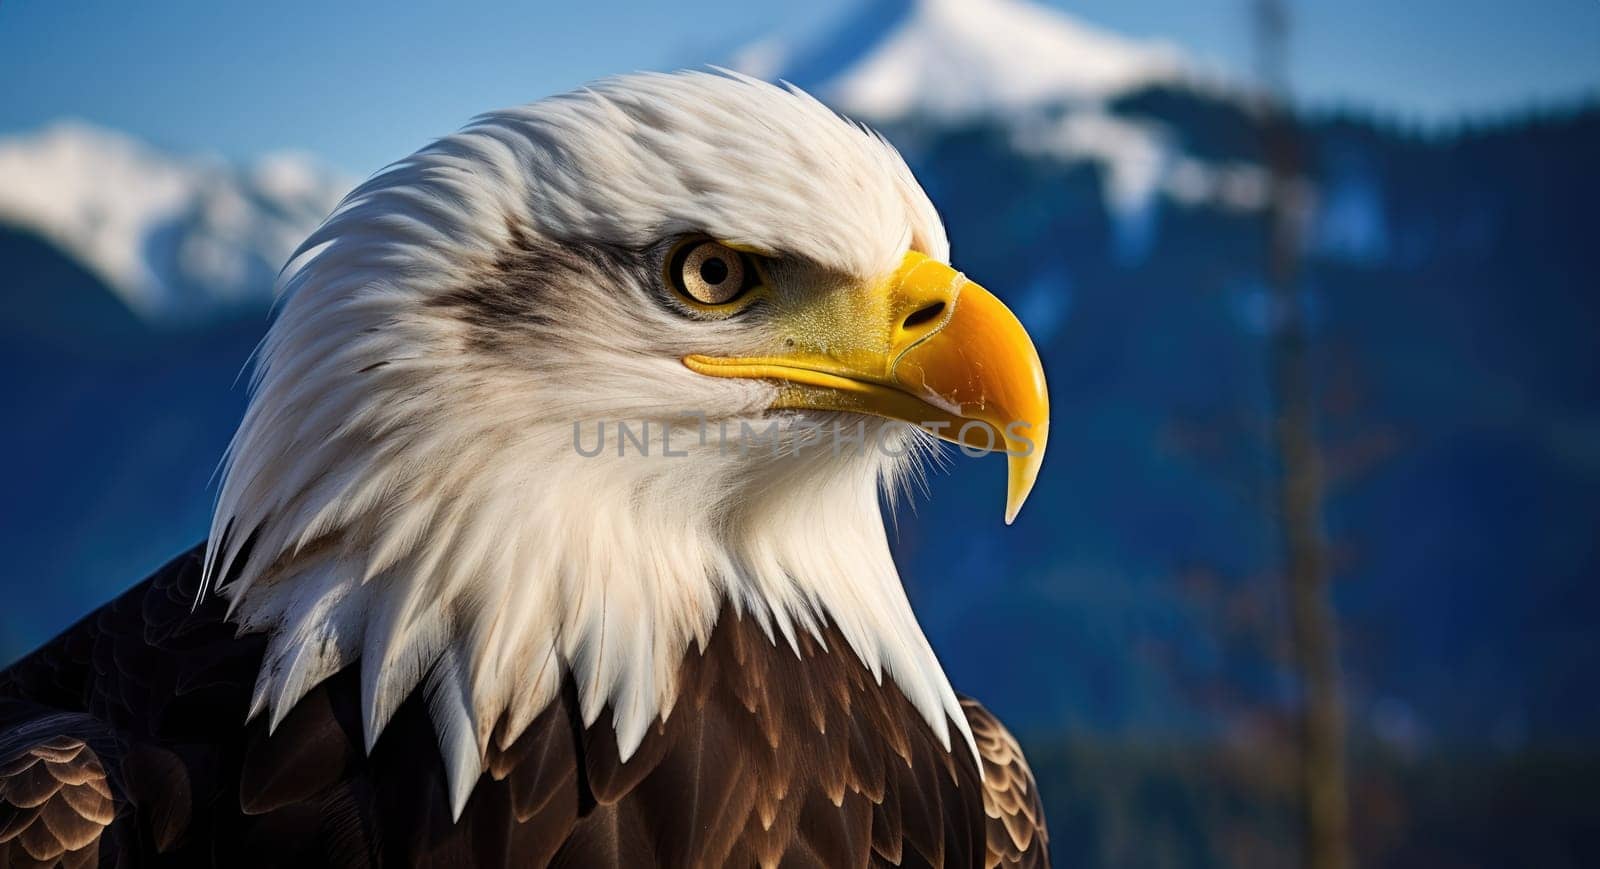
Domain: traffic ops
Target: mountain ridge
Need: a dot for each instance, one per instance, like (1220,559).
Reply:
(956,59)
(178,238)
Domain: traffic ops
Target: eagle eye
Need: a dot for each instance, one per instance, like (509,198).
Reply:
(710,273)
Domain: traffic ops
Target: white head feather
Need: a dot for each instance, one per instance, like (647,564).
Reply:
(405,490)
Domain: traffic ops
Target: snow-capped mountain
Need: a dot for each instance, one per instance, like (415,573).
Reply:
(952,59)
(1043,76)
(177,238)
(180,238)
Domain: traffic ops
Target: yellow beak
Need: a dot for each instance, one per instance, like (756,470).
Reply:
(931,348)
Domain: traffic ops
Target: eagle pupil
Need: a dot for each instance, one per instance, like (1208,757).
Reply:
(713,271)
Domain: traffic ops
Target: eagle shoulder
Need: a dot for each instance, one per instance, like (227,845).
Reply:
(1016,834)
(115,733)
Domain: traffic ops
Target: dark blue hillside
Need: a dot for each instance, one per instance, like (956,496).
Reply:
(1451,282)
(113,431)
(51,304)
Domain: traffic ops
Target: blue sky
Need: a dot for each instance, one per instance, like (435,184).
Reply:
(362,82)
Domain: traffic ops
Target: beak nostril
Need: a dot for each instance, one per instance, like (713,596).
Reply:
(923,315)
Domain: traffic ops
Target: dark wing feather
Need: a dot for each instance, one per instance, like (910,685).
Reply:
(158,782)
(154,688)
(55,796)
(308,754)
(1016,829)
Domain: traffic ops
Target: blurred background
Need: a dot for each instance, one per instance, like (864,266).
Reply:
(1310,577)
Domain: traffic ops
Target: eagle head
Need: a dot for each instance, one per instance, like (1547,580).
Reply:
(550,396)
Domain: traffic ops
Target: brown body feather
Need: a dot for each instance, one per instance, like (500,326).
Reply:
(123,742)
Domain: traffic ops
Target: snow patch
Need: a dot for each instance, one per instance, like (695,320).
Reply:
(1044,303)
(1134,154)
(1141,163)
(1351,222)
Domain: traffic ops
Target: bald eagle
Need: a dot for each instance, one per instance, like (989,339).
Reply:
(553,532)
